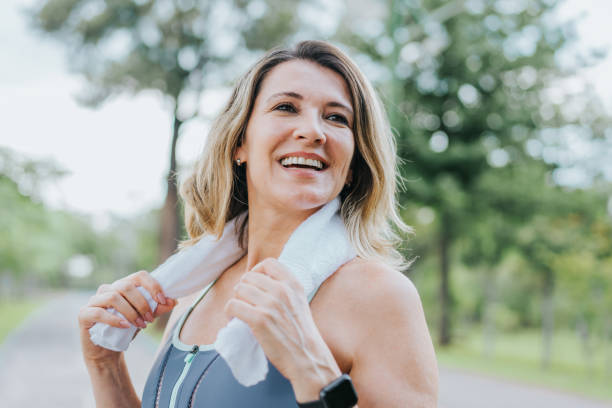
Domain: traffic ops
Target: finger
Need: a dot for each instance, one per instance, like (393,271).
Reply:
(270,267)
(92,315)
(241,310)
(252,294)
(144,279)
(163,309)
(260,280)
(120,304)
(277,271)
(103,288)
(268,278)
(127,288)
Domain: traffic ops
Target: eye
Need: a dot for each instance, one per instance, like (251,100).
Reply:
(338,118)
(287,107)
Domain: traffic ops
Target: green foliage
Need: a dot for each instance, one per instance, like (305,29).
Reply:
(13,312)
(467,86)
(38,242)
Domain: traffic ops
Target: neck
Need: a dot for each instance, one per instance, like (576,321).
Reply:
(269,231)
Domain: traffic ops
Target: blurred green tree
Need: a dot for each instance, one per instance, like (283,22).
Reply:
(467,85)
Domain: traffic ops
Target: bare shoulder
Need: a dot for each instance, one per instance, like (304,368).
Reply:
(371,285)
(393,355)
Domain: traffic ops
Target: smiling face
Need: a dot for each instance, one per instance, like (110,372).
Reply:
(299,141)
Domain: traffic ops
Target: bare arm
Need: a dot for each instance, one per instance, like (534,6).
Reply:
(110,380)
(111,383)
(394,364)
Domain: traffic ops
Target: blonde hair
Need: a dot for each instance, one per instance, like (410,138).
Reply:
(215,192)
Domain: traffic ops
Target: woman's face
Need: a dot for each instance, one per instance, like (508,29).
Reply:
(299,140)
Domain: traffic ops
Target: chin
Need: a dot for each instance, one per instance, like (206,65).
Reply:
(305,200)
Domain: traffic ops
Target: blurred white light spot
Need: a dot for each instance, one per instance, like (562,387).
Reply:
(547,112)
(410,52)
(495,121)
(425,215)
(401,34)
(468,95)
(493,22)
(438,141)
(475,6)
(490,141)
(149,32)
(385,46)
(498,158)
(427,82)
(510,6)
(451,119)
(528,77)
(117,45)
(79,266)
(187,58)
(403,70)
(473,63)
(570,177)
(92,9)
(256,9)
(487,82)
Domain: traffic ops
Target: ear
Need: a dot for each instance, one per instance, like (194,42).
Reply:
(349,177)
(240,154)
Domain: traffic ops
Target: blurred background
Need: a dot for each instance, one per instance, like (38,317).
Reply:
(502,111)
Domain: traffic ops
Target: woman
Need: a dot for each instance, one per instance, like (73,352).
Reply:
(302,127)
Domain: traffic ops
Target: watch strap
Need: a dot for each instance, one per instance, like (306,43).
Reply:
(311,404)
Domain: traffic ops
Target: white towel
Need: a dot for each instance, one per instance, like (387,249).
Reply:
(315,250)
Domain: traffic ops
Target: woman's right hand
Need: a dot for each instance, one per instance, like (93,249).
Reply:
(123,296)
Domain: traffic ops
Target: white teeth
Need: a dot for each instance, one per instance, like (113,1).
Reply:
(287,161)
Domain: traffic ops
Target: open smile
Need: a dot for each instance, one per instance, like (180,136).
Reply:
(303,160)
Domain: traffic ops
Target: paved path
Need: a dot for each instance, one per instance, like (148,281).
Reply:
(463,390)
(41,366)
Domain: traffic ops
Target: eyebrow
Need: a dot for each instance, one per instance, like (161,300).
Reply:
(300,97)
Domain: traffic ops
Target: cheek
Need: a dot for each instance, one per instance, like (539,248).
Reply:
(346,150)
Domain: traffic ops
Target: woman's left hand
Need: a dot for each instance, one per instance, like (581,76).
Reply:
(272,302)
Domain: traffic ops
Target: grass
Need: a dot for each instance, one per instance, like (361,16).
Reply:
(13,312)
(517,357)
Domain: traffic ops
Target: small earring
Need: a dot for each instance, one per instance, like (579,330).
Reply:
(238,162)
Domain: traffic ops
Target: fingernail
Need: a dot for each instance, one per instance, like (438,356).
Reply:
(124,323)
(140,322)
(161,299)
(149,316)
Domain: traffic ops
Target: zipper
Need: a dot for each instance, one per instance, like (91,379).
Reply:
(188,360)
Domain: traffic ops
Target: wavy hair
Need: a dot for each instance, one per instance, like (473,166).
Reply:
(216,191)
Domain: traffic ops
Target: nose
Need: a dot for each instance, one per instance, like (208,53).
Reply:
(310,128)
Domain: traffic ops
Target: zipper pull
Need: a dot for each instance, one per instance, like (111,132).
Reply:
(189,357)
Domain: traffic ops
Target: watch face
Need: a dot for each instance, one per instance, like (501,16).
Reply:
(340,393)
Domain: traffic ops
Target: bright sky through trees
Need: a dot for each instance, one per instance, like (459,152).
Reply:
(41,118)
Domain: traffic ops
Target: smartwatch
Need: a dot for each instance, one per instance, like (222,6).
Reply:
(340,393)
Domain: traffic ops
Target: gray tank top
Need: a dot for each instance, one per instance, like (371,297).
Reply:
(185,376)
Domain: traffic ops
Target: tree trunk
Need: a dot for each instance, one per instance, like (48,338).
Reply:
(488,315)
(548,317)
(445,300)
(582,328)
(170,217)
